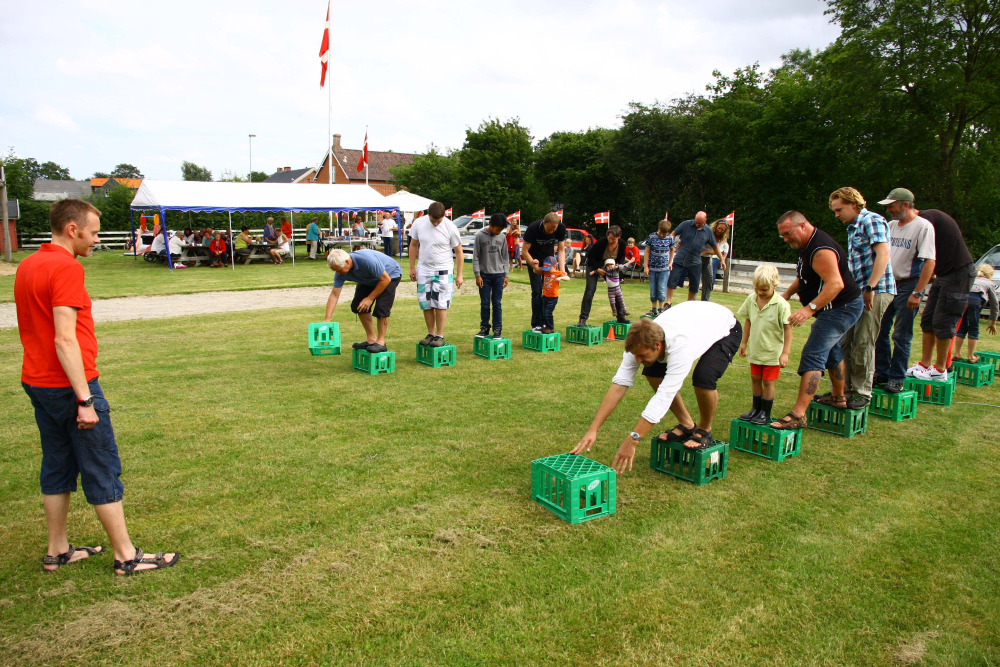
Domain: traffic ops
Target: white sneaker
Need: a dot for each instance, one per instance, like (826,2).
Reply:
(912,370)
(931,373)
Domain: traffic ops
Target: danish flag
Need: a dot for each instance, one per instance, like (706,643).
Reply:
(324,49)
(559,213)
(602,218)
(448,213)
(363,160)
(666,216)
(729,219)
(481,213)
(514,216)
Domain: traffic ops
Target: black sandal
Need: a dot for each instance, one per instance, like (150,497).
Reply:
(64,558)
(702,437)
(683,436)
(128,567)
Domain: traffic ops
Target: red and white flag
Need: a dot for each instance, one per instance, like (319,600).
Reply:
(559,213)
(729,219)
(324,49)
(481,213)
(514,216)
(602,218)
(666,216)
(363,160)
(448,212)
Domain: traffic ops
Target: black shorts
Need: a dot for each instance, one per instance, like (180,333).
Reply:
(946,302)
(712,364)
(383,304)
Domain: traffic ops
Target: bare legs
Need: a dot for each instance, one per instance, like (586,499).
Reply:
(931,345)
(435,318)
(708,401)
(762,388)
(370,335)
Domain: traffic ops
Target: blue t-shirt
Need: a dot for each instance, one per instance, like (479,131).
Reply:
(692,241)
(659,251)
(368,268)
(312,234)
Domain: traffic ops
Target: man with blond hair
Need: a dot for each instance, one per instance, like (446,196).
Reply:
(870,266)
(377,276)
(59,374)
(666,348)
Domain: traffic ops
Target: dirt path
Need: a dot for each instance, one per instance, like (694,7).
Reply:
(179,305)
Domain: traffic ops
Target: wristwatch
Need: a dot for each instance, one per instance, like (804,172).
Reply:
(87,402)
(635,436)
(919,295)
(812,305)
(869,288)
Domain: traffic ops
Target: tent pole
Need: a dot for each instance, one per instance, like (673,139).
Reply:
(166,239)
(232,251)
(291,215)
(399,231)
(131,219)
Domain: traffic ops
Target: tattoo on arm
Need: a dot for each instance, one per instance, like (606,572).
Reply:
(813,383)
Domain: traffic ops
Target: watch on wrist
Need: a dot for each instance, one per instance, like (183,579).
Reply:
(635,436)
(87,402)
(919,295)
(869,288)
(812,306)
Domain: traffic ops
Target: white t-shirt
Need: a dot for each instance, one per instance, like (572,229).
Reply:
(388,227)
(158,244)
(909,246)
(690,328)
(436,243)
(176,245)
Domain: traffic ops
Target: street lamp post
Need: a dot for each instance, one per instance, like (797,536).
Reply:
(250,179)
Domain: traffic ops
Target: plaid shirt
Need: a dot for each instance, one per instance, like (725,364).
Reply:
(867,230)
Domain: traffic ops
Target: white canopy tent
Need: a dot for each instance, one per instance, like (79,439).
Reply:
(202,196)
(409,202)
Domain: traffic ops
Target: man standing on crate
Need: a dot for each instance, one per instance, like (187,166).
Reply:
(377,276)
(666,348)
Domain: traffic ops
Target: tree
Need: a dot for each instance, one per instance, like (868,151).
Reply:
(125,170)
(101,174)
(258,176)
(229,176)
(21,174)
(53,172)
(192,172)
(431,175)
(114,208)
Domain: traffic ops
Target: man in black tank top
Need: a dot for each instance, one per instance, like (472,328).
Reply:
(827,292)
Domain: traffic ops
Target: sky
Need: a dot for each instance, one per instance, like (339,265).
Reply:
(91,84)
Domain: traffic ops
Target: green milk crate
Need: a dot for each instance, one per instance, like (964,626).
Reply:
(621,330)
(572,487)
(584,335)
(974,375)
(445,355)
(491,348)
(374,364)
(895,407)
(324,338)
(932,391)
(839,421)
(762,440)
(539,342)
(993,358)
(698,466)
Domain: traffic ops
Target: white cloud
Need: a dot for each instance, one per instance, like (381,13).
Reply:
(154,84)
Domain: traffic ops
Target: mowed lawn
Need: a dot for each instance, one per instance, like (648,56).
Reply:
(326,517)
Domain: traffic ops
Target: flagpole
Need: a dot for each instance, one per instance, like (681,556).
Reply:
(729,259)
(366,155)
(329,117)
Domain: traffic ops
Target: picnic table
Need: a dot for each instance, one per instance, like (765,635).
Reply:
(350,242)
(194,253)
(259,251)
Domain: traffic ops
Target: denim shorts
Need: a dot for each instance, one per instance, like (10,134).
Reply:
(822,348)
(68,451)
(693,274)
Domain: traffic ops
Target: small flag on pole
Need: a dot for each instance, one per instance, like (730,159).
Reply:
(559,213)
(602,218)
(324,49)
(481,213)
(666,216)
(514,216)
(448,213)
(729,219)
(363,160)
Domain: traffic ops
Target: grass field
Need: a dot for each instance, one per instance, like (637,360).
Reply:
(330,518)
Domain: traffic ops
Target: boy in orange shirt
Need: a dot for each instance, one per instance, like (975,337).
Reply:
(551,277)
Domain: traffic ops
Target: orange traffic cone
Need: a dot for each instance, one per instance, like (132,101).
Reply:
(611,333)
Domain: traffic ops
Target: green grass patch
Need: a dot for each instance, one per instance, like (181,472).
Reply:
(331,518)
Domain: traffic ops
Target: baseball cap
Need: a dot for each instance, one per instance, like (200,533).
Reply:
(899,194)
(549,262)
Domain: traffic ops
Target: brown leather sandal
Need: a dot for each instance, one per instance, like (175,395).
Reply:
(790,422)
(832,401)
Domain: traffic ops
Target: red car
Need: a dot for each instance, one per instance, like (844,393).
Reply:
(576,237)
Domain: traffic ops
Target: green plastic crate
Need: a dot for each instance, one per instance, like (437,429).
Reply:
(572,487)
(762,440)
(974,375)
(584,335)
(698,466)
(993,358)
(621,330)
(445,355)
(539,342)
(895,407)
(324,338)
(839,421)
(931,391)
(491,348)
(374,364)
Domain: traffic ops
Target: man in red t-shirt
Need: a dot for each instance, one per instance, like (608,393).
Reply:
(59,374)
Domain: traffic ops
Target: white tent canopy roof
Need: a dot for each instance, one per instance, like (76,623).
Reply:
(409,202)
(209,196)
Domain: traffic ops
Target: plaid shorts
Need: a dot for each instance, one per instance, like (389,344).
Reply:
(434,289)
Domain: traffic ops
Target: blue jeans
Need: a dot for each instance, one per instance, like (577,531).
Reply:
(490,293)
(548,308)
(68,451)
(970,319)
(822,348)
(387,245)
(897,323)
(658,285)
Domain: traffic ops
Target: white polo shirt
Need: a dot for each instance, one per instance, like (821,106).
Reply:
(689,329)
